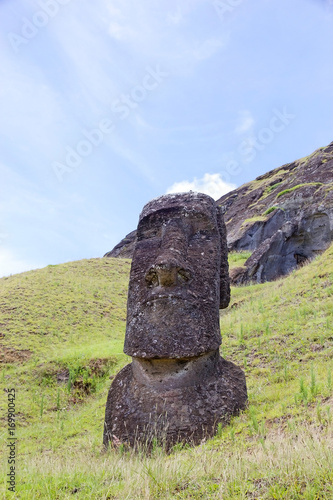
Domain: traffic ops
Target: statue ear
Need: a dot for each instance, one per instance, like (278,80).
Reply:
(224,270)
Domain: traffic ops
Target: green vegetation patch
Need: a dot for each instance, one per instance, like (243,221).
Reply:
(252,220)
(83,376)
(271,188)
(264,183)
(270,210)
(290,190)
(319,151)
(238,259)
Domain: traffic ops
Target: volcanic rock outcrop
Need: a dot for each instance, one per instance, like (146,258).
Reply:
(177,388)
(285,217)
(125,248)
(288,217)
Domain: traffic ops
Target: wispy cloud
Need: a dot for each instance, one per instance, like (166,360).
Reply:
(245,123)
(211,184)
(154,32)
(133,159)
(209,48)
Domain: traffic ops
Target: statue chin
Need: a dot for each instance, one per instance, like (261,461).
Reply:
(172,328)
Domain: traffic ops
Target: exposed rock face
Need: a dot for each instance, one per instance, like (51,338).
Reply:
(292,205)
(177,387)
(124,248)
(292,245)
(298,229)
(259,231)
(297,191)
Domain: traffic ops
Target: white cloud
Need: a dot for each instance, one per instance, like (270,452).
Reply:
(211,184)
(154,32)
(246,122)
(10,264)
(208,48)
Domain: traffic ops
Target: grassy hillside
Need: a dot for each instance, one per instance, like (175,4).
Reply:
(62,331)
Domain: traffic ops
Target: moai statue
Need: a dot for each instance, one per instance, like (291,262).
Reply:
(178,387)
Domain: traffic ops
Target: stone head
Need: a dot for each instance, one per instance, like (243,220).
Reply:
(179,278)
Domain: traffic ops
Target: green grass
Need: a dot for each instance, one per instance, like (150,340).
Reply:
(307,159)
(237,259)
(294,188)
(265,182)
(274,186)
(252,220)
(269,189)
(270,210)
(62,336)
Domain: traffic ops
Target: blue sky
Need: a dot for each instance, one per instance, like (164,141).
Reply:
(107,104)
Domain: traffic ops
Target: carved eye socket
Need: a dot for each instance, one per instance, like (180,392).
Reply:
(202,229)
(165,276)
(146,234)
(152,278)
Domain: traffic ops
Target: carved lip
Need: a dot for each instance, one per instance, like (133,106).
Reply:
(164,296)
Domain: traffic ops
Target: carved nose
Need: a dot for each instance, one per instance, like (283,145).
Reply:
(167,273)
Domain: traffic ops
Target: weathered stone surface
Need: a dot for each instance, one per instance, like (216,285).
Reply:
(291,246)
(177,387)
(297,190)
(179,277)
(260,231)
(181,402)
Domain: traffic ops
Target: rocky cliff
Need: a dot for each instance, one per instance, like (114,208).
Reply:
(285,217)
(124,249)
